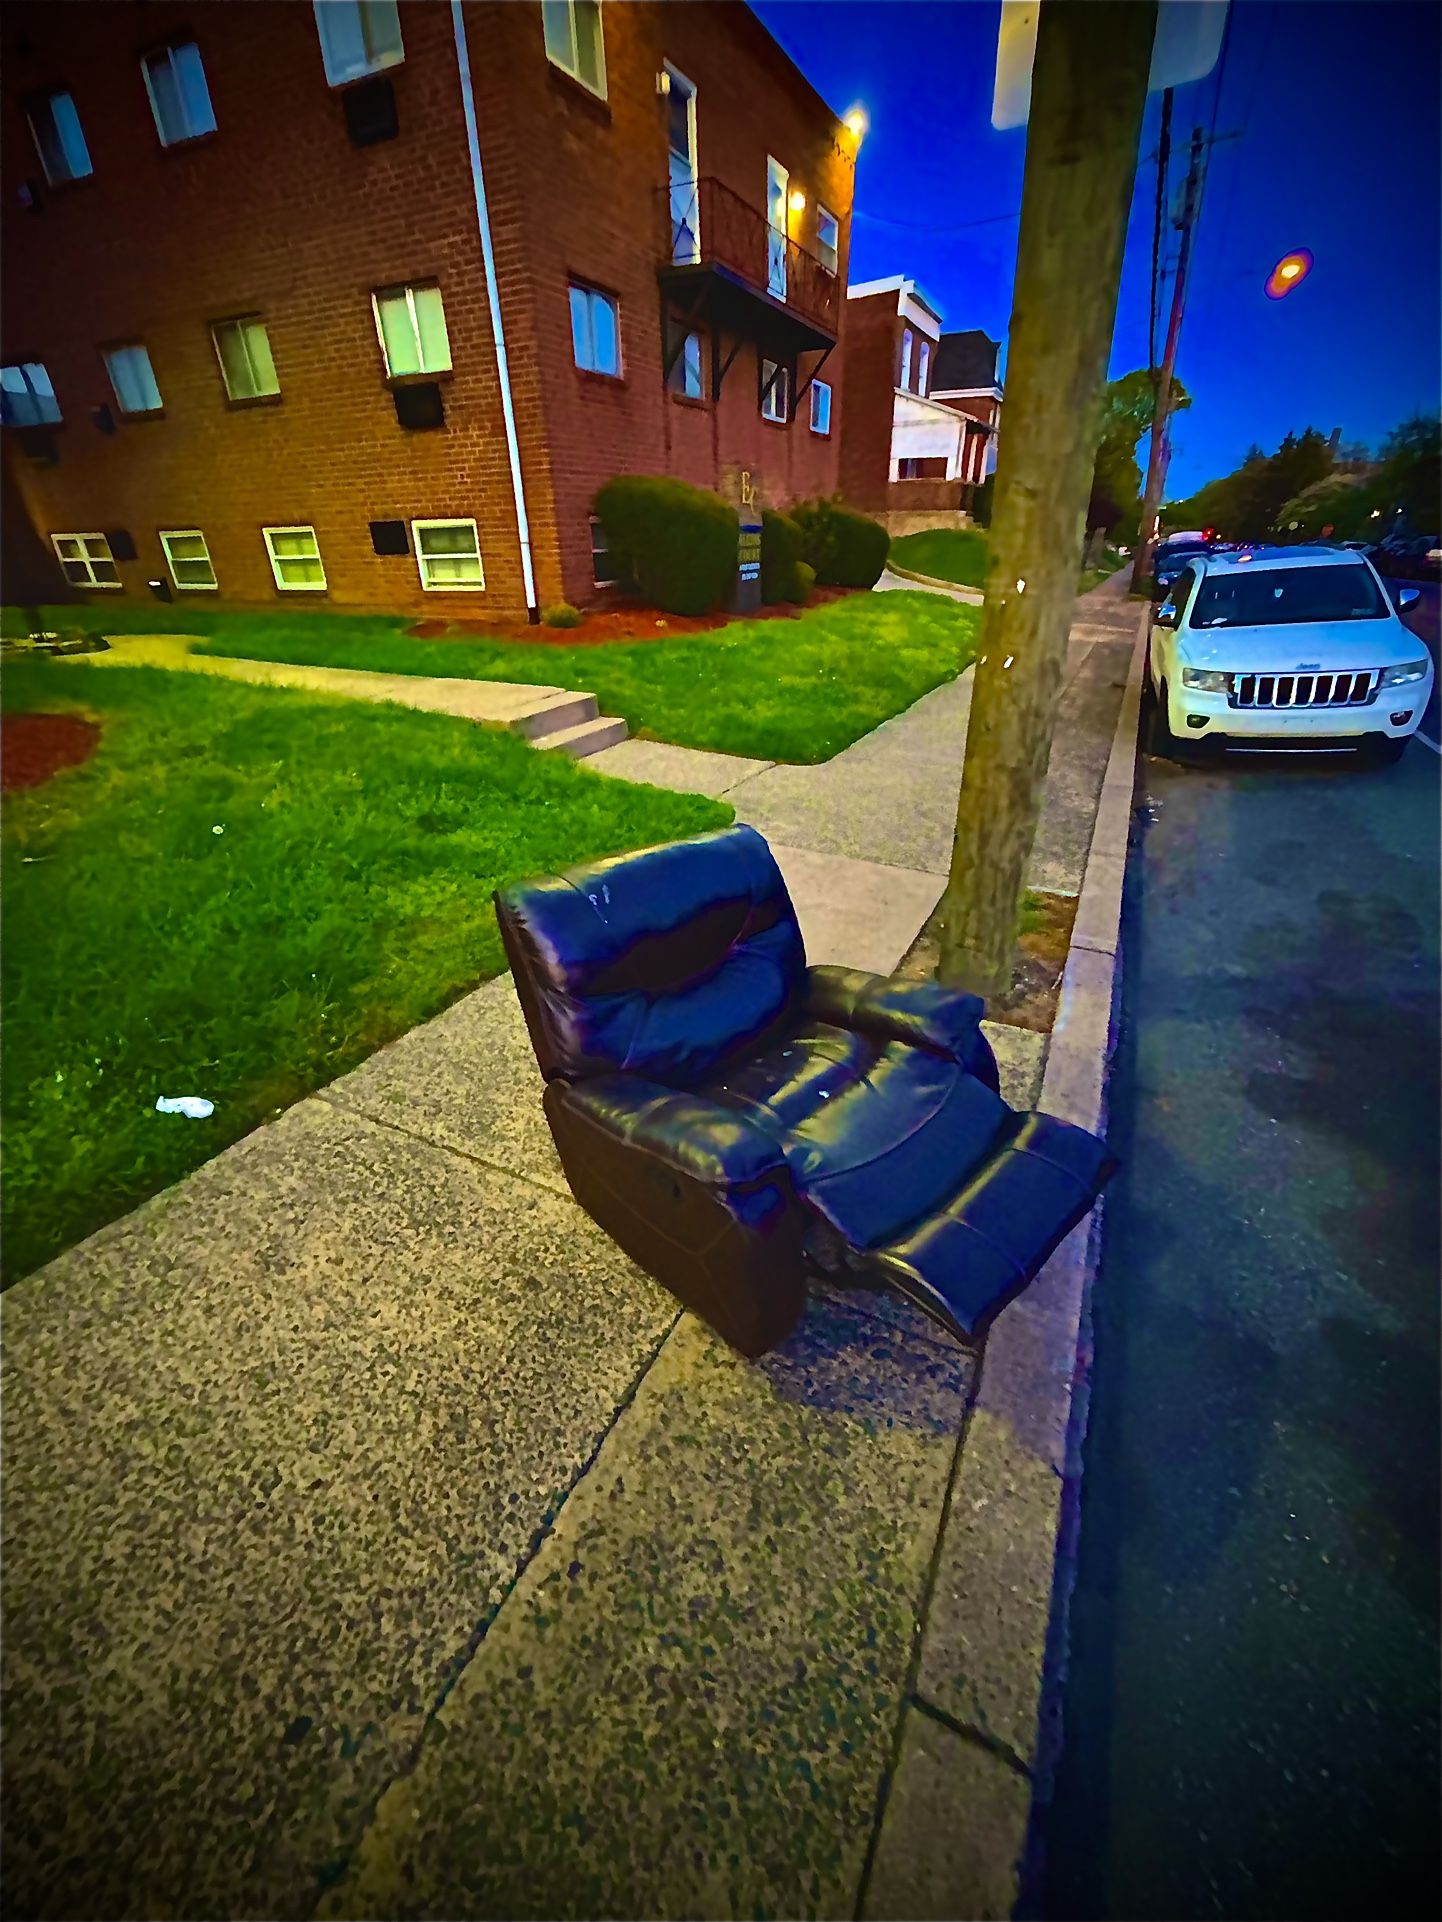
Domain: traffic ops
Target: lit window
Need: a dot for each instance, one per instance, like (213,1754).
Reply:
(828,240)
(573,40)
(358,37)
(411,323)
(923,361)
(188,559)
(85,560)
(603,568)
(58,139)
(906,344)
(295,558)
(595,330)
(26,397)
(686,368)
(243,350)
(133,379)
(775,392)
(448,554)
(179,97)
(820,407)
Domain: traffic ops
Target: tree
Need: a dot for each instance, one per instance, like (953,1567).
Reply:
(1128,406)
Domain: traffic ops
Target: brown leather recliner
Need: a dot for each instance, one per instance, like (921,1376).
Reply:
(735,1119)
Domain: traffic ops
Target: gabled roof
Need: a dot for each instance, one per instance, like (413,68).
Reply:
(965,360)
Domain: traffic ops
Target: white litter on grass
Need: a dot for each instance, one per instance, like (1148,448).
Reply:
(217,830)
(194,1106)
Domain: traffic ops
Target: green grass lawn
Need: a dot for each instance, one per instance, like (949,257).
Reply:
(945,554)
(241,895)
(781,690)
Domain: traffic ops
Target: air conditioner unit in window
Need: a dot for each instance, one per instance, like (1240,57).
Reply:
(370,111)
(389,537)
(420,405)
(122,543)
(39,446)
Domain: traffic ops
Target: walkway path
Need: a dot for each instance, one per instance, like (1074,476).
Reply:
(379,1541)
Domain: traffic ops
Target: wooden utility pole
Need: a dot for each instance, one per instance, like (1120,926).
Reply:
(1089,83)
(1161,448)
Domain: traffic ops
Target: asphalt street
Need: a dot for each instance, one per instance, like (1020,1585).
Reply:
(1252,1708)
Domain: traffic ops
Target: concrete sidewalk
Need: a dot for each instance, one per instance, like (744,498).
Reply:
(379,1541)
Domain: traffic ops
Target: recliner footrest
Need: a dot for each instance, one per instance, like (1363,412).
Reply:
(965,1262)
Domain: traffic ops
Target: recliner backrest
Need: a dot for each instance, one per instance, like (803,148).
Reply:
(656,963)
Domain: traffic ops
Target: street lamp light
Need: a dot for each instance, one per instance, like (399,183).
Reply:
(1290,271)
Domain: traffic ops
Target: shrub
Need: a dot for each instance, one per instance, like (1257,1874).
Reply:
(805,581)
(981,502)
(561,615)
(846,548)
(780,555)
(676,542)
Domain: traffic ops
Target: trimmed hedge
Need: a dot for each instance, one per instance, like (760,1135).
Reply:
(981,502)
(780,557)
(676,542)
(805,581)
(561,615)
(847,549)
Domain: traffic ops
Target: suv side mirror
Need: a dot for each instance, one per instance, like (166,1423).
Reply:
(1168,614)
(1408,597)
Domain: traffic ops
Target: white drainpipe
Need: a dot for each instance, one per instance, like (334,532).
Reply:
(493,297)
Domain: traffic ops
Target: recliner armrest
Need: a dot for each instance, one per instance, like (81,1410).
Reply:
(923,1013)
(695,1136)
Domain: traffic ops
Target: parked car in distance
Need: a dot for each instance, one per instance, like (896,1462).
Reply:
(1284,647)
(1171,557)
(1417,558)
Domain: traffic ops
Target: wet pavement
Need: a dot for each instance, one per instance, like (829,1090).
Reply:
(1252,1711)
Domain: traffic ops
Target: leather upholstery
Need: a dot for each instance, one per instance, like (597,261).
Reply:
(726,1112)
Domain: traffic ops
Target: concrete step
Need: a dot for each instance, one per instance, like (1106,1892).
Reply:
(587,738)
(552,713)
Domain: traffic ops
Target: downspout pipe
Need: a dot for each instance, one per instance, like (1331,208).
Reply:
(493,299)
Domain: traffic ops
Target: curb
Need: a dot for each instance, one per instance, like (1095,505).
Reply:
(973,596)
(983,1730)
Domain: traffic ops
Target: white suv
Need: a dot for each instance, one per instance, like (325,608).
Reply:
(1285,647)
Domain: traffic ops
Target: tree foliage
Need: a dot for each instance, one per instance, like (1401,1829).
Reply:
(1127,410)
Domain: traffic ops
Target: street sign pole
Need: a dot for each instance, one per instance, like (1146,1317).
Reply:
(1088,89)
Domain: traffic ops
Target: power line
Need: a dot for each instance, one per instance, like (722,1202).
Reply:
(929,227)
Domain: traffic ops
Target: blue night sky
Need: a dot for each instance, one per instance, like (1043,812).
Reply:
(1342,154)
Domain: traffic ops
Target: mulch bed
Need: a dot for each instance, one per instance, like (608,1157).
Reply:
(1030,1001)
(627,622)
(35,746)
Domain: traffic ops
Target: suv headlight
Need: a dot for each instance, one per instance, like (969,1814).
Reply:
(1205,679)
(1400,676)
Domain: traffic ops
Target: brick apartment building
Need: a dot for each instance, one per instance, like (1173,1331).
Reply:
(253,255)
(922,408)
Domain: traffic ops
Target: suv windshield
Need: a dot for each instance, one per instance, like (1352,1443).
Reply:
(1274,596)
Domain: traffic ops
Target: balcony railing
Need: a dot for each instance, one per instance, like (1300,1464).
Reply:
(709,225)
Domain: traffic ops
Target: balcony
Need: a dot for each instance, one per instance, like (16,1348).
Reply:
(723,263)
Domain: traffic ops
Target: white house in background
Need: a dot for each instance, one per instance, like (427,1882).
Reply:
(964,377)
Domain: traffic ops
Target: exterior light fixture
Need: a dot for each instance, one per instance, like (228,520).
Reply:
(797,203)
(857,123)
(1290,271)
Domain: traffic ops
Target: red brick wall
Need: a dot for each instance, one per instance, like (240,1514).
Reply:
(871,346)
(277,213)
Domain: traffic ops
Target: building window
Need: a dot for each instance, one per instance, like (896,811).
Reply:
(295,559)
(188,559)
(27,398)
(828,240)
(411,322)
(133,379)
(775,392)
(603,568)
(243,349)
(358,37)
(55,126)
(906,346)
(820,407)
(595,330)
(179,97)
(923,361)
(85,560)
(573,40)
(448,554)
(685,376)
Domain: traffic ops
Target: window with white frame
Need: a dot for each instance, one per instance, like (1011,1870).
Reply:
(828,240)
(595,330)
(686,369)
(906,347)
(574,41)
(358,37)
(820,407)
(604,571)
(179,97)
(133,379)
(295,559)
(411,323)
(59,141)
(923,362)
(27,398)
(448,554)
(775,392)
(85,560)
(188,558)
(243,349)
